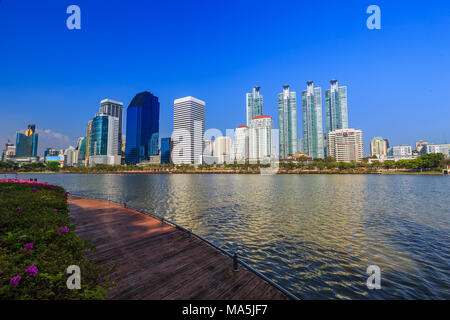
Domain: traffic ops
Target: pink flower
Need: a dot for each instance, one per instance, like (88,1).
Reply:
(54,210)
(19,208)
(28,247)
(14,281)
(63,230)
(32,270)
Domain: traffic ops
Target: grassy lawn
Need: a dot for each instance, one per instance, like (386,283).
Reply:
(38,244)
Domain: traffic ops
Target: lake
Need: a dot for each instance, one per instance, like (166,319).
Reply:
(313,234)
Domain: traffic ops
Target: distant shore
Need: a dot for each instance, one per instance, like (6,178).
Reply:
(300,172)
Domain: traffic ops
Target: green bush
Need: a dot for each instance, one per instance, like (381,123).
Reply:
(35,213)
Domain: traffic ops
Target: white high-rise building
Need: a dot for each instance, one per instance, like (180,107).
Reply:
(222,149)
(188,130)
(241,145)
(345,145)
(261,139)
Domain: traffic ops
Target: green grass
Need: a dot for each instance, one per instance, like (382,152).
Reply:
(35,213)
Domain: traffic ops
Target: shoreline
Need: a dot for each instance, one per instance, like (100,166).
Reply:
(283,172)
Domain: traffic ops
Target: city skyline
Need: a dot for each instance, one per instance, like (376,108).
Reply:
(384,71)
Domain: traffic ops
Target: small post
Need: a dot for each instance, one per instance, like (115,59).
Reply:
(235,262)
(124,204)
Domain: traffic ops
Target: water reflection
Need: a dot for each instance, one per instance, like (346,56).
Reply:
(313,234)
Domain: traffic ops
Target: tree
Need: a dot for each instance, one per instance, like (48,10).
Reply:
(53,166)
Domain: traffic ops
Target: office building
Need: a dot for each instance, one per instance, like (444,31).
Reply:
(104,143)
(336,109)
(27,143)
(240,152)
(189,130)
(287,119)
(115,109)
(81,151)
(142,128)
(254,104)
(312,121)
(88,143)
(70,157)
(378,147)
(345,145)
(261,139)
(166,150)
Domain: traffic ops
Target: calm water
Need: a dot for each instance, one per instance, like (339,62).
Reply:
(313,234)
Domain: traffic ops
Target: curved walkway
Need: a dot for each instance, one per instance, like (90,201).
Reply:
(154,260)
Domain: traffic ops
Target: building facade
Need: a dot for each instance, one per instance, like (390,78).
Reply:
(115,109)
(261,139)
(166,150)
(420,145)
(378,147)
(312,121)
(240,152)
(254,104)
(336,108)
(400,152)
(345,145)
(287,121)
(437,148)
(222,149)
(104,143)
(188,130)
(27,143)
(9,152)
(142,128)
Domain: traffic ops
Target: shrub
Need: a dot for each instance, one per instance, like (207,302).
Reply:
(34,252)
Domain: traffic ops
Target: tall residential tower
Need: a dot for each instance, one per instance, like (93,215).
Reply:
(336,109)
(312,121)
(254,104)
(287,118)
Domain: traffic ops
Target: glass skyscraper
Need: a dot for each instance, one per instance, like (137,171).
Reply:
(312,121)
(287,120)
(254,105)
(336,109)
(115,109)
(27,143)
(142,128)
(166,150)
(99,136)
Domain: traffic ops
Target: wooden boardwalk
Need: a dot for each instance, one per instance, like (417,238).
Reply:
(154,260)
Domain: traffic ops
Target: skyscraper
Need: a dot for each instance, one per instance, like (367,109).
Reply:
(104,143)
(336,109)
(254,104)
(27,143)
(166,148)
(260,139)
(287,118)
(188,130)
(142,128)
(345,145)
(88,143)
(81,149)
(312,121)
(115,109)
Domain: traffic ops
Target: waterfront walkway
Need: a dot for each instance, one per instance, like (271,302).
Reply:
(154,260)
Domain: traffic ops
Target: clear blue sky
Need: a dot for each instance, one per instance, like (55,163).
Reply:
(398,77)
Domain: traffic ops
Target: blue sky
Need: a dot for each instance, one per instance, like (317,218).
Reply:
(397,77)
